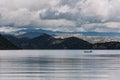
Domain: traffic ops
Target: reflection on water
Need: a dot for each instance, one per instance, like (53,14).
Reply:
(58,65)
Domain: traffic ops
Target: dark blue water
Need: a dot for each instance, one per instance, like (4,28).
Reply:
(59,65)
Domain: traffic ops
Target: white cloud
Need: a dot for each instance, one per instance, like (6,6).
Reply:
(9,30)
(102,27)
(64,15)
(29,4)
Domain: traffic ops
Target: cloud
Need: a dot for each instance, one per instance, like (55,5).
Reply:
(63,12)
(102,27)
(9,30)
(61,15)
(87,10)
(29,4)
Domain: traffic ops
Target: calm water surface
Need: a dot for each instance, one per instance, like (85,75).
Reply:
(59,65)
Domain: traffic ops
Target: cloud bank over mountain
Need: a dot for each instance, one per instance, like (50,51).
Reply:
(61,15)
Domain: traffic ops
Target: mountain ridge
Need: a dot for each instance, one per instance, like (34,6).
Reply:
(32,33)
(6,44)
(46,41)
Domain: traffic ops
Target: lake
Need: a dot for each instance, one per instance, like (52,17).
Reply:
(59,65)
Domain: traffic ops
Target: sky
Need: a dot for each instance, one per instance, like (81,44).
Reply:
(60,15)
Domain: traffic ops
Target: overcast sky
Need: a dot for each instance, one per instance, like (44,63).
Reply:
(61,15)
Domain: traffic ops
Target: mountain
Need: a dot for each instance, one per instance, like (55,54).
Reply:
(71,43)
(32,33)
(41,42)
(46,41)
(112,34)
(20,42)
(107,45)
(6,44)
